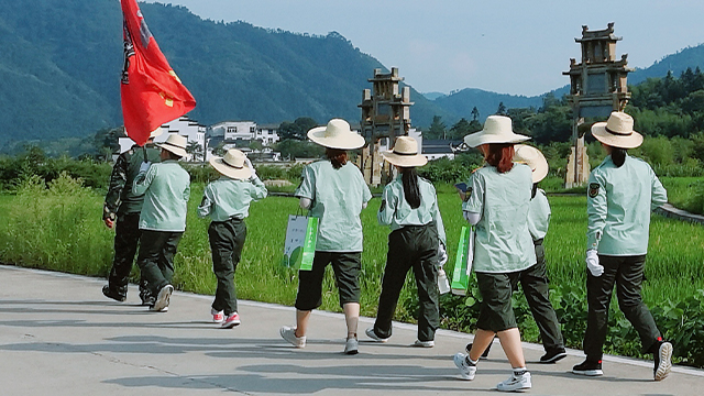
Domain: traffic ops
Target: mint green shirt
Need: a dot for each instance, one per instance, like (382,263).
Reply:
(337,197)
(539,215)
(166,189)
(502,240)
(228,198)
(619,201)
(397,213)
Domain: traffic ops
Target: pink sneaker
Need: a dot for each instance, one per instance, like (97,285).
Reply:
(231,321)
(218,316)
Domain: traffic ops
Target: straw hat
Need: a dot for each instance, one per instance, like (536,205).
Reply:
(336,135)
(617,131)
(532,157)
(155,133)
(176,144)
(405,153)
(232,165)
(497,129)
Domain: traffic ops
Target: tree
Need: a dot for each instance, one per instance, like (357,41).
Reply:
(475,114)
(296,130)
(437,128)
(194,149)
(256,145)
(460,130)
(502,109)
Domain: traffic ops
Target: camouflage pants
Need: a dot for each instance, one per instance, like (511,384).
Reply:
(127,234)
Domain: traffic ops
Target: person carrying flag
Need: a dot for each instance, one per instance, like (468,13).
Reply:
(123,206)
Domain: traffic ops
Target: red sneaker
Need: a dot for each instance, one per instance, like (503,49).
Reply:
(218,316)
(231,321)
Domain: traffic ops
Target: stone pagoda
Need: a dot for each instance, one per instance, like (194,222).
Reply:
(598,87)
(385,115)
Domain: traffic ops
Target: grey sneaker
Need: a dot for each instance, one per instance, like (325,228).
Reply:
(289,334)
(467,370)
(515,383)
(163,298)
(663,361)
(351,346)
(371,334)
(424,344)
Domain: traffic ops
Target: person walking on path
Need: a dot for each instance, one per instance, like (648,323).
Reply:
(166,189)
(123,206)
(227,201)
(622,192)
(410,206)
(534,280)
(497,201)
(334,191)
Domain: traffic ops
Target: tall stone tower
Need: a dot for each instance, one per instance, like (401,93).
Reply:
(598,87)
(385,115)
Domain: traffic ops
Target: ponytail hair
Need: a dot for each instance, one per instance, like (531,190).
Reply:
(411,190)
(618,156)
(500,155)
(337,157)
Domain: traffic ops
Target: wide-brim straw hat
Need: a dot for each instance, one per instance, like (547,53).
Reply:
(176,144)
(232,165)
(532,157)
(497,129)
(336,135)
(155,133)
(405,153)
(617,131)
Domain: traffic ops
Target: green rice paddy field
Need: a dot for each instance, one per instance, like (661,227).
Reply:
(61,229)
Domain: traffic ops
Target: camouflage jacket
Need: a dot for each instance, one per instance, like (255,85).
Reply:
(120,198)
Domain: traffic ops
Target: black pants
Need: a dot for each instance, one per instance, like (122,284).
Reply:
(127,234)
(156,258)
(627,273)
(411,247)
(534,282)
(346,266)
(226,242)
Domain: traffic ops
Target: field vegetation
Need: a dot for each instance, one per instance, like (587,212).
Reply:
(57,227)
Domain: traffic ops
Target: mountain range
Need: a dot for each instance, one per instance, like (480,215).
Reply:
(59,76)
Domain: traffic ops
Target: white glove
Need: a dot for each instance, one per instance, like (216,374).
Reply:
(144,167)
(248,164)
(593,265)
(442,254)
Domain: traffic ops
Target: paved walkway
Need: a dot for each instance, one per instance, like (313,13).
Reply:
(60,336)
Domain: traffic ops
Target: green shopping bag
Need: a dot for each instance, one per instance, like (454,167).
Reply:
(463,262)
(301,239)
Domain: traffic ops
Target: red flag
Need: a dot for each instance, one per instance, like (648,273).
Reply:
(151,92)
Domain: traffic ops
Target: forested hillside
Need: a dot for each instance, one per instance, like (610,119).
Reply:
(59,76)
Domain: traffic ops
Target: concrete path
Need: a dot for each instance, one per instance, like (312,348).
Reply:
(60,336)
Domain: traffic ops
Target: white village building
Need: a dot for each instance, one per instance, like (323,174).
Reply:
(184,126)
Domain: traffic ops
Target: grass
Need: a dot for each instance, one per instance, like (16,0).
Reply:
(60,228)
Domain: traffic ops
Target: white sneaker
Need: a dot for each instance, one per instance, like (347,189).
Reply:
(163,298)
(424,344)
(663,361)
(467,370)
(351,346)
(515,383)
(289,334)
(371,334)
(218,316)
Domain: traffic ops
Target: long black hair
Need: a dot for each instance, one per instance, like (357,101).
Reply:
(618,156)
(411,190)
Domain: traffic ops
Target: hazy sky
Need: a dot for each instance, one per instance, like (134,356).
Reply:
(518,47)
